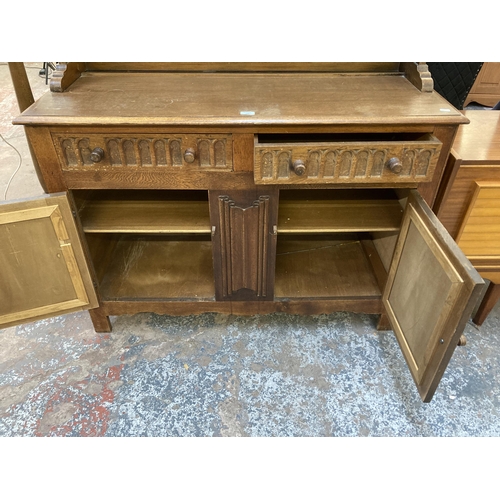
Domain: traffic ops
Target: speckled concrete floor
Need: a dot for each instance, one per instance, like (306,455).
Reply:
(218,375)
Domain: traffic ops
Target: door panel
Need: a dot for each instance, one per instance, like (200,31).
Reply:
(244,243)
(43,271)
(430,293)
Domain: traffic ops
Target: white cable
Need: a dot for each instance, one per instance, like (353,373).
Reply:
(17,169)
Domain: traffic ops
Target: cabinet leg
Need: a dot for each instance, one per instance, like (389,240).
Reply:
(383,322)
(100,321)
(490,299)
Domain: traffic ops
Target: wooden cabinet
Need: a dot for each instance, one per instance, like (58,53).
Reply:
(470,200)
(293,188)
(486,88)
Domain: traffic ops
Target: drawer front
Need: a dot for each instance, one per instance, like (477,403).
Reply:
(346,162)
(170,152)
(479,236)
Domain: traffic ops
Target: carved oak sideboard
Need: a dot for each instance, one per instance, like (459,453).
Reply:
(242,189)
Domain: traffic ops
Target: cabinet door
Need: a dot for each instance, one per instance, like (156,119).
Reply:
(430,293)
(244,225)
(43,271)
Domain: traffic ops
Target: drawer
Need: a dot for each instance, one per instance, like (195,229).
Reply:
(342,158)
(172,152)
(479,235)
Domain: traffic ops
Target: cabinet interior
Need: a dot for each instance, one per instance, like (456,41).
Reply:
(149,244)
(143,211)
(156,244)
(295,138)
(327,211)
(329,240)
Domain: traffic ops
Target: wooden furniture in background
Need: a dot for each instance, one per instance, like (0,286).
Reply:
(250,188)
(486,88)
(470,206)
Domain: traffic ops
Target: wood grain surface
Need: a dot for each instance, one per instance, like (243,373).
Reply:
(148,215)
(239,100)
(43,270)
(428,273)
(334,216)
(159,268)
(323,268)
(479,142)
(479,234)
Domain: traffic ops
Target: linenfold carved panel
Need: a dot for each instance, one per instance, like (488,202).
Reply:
(211,151)
(244,234)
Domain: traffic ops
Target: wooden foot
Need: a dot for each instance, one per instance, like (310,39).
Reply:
(100,321)
(490,299)
(384,323)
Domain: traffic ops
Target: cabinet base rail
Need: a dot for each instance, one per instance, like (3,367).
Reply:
(366,305)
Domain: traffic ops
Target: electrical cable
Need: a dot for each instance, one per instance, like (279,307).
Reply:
(12,146)
(17,169)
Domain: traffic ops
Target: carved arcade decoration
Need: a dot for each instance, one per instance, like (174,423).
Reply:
(212,152)
(346,162)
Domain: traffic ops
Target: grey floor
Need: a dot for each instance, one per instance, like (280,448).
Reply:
(219,375)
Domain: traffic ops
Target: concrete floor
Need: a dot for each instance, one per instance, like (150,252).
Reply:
(219,375)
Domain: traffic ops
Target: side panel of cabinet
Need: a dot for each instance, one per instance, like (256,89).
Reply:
(43,271)
(430,293)
(244,243)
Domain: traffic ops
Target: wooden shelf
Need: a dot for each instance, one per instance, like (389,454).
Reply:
(323,268)
(157,267)
(336,216)
(146,216)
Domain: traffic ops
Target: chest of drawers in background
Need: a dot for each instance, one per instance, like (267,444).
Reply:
(486,88)
(470,209)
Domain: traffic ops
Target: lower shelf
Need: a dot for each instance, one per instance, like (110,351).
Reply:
(161,268)
(155,267)
(323,268)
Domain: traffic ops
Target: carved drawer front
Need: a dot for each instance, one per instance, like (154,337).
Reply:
(173,152)
(361,158)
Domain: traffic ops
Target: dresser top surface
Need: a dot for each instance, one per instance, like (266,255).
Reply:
(213,99)
(480,139)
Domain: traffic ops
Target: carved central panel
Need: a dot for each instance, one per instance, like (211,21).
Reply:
(244,235)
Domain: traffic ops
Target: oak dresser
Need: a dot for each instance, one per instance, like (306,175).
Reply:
(242,188)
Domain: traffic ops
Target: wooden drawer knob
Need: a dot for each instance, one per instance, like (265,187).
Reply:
(189,155)
(97,155)
(394,165)
(299,167)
